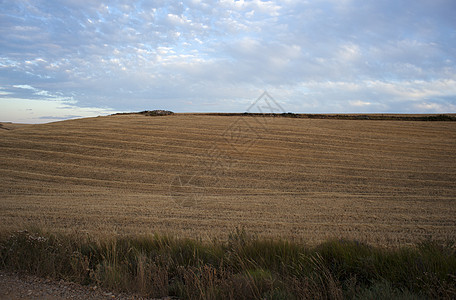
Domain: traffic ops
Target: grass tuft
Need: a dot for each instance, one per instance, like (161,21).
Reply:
(243,267)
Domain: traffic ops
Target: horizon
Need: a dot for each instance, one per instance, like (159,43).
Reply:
(223,114)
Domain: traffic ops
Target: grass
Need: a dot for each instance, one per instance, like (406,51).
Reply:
(242,267)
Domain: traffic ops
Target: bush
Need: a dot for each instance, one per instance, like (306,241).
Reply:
(156,113)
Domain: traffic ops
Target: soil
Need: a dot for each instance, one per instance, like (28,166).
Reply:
(20,286)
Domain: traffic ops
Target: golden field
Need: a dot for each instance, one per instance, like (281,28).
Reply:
(382,182)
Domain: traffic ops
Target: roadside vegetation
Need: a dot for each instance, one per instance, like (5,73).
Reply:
(241,267)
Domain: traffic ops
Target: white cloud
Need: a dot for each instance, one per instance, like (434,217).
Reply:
(359,103)
(44,111)
(432,107)
(320,55)
(24,86)
(349,52)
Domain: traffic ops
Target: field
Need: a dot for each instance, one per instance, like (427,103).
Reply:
(386,183)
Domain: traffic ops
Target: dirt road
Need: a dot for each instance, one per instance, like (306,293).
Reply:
(15,286)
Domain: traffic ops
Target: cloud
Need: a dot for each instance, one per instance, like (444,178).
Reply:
(359,103)
(24,86)
(434,107)
(25,110)
(318,55)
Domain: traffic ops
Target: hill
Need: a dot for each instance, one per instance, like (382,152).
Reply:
(383,182)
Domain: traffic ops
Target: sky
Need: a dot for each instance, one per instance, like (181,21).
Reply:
(79,58)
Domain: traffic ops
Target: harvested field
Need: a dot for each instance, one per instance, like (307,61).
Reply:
(382,182)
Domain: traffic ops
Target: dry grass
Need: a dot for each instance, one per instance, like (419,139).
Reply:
(381,182)
(240,268)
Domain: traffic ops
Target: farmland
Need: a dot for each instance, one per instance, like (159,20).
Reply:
(386,183)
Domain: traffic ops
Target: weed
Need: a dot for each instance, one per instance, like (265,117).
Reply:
(243,267)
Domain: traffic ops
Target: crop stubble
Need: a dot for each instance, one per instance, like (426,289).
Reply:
(382,182)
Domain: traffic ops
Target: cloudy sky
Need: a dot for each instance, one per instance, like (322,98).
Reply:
(75,58)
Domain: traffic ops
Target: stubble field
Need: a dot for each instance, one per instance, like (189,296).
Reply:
(382,182)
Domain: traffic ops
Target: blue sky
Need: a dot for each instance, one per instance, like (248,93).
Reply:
(75,58)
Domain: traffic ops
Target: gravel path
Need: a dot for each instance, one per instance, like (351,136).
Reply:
(18,286)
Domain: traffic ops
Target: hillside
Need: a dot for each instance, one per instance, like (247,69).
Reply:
(383,182)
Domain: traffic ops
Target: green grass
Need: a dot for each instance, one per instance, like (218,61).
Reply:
(243,267)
